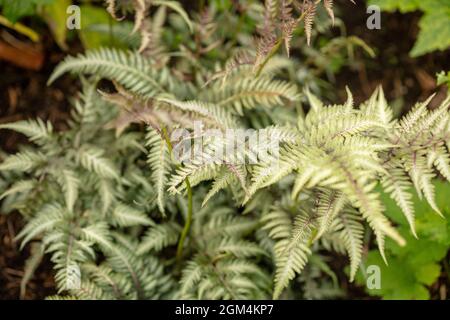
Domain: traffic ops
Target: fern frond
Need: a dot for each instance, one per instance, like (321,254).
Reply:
(89,291)
(314,102)
(370,206)
(278,223)
(352,234)
(145,273)
(126,216)
(19,187)
(226,226)
(159,237)
(378,105)
(36,130)
(441,160)
(272,8)
(330,204)
(427,187)
(223,180)
(248,93)
(31,264)
(237,248)
(292,247)
(106,192)
(111,8)
(192,274)
(105,277)
(98,233)
(160,162)
(309,12)
(176,6)
(328,4)
(288,263)
(92,159)
(265,174)
(46,219)
(69,184)
(196,173)
(213,115)
(397,184)
(409,121)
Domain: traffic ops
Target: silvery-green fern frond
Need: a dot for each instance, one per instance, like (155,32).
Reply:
(160,161)
(341,155)
(133,71)
(36,130)
(224,266)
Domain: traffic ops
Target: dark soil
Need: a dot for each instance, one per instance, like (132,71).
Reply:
(401,76)
(23,95)
(12,265)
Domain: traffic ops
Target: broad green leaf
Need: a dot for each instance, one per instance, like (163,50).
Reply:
(427,274)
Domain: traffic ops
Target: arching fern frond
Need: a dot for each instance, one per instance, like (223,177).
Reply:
(126,216)
(224,266)
(249,92)
(129,69)
(36,130)
(351,230)
(23,161)
(158,237)
(92,159)
(160,161)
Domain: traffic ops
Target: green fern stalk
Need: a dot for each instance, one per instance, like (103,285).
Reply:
(187,225)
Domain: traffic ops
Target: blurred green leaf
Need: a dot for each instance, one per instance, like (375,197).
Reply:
(91,16)
(55,14)
(13,10)
(403,6)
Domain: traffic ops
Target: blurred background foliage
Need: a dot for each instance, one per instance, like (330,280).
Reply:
(415,267)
